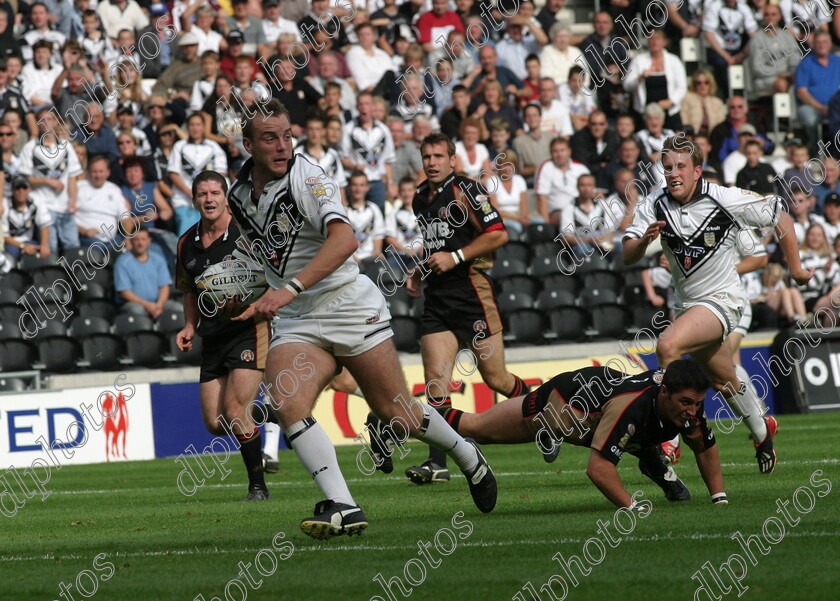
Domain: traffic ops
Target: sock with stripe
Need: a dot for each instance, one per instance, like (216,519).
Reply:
(441,405)
(747,405)
(519,387)
(317,454)
(250,446)
(435,431)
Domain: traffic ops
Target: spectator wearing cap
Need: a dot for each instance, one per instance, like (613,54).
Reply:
(38,77)
(514,48)
(103,214)
(702,108)
(12,98)
(204,86)
(177,80)
(250,29)
(235,52)
(756,175)
(724,136)
(737,159)
(118,14)
(273,24)
(831,215)
(127,124)
(817,80)
(99,139)
(202,28)
(39,16)
(830,184)
(9,159)
(367,63)
(27,222)
(596,145)
(53,169)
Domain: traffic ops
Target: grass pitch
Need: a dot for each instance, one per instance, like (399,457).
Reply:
(162,545)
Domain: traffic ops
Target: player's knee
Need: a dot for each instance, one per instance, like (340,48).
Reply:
(667,351)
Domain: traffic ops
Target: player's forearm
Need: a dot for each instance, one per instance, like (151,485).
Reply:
(339,246)
(708,462)
(484,244)
(604,475)
(750,264)
(191,311)
(633,251)
(786,234)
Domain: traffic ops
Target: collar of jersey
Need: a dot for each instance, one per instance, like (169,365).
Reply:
(197,239)
(698,193)
(446,182)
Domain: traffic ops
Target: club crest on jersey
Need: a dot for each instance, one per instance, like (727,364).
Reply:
(283,222)
(443,212)
(657,377)
(687,262)
(316,187)
(709,239)
(247,356)
(479,325)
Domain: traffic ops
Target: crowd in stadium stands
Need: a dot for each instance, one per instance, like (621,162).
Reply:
(560,117)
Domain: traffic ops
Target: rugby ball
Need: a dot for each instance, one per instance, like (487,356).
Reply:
(238,280)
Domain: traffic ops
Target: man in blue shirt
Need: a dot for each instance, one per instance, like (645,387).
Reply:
(817,79)
(142,277)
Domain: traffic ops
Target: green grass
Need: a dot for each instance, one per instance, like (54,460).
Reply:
(165,546)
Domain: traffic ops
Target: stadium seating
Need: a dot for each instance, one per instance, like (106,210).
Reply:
(170,321)
(125,324)
(96,307)
(146,348)
(90,290)
(549,300)
(519,283)
(406,334)
(540,232)
(398,307)
(102,352)
(514,250)
(609,322)
(10,331)
(82,326)
(15,355)
(33,263)
(567,325)
(524,326)
(58,354)
(12,385)
(513,301)
(8,296)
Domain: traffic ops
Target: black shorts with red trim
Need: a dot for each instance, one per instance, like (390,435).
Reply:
(469,310)
(222,354)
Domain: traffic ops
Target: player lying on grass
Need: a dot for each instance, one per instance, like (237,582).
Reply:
(612,413)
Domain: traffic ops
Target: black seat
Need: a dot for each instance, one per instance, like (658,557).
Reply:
(32,263)
(549,300)
(146,349)
(10,331)
(191,357)
(93,290)
(125,324)
(51,328)
(568,324)
(102,351)
(104,277)
(547,249)
(16,280)
(169,322)
(512,301)
(602,280)
(59,354)
(520,283)
(544,266)
(15,355)
(561,281)
(11,313)
(12,385)
(406,334)
(609,321)
(633,276)
(86,325)
(8,296)
(507,267)
(514,250)
(593,297)
(97,307)
(525,326)
(634,295)
(594,262)
(645,317)
(540,232)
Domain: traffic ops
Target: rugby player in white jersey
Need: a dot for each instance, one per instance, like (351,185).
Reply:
(324,315)
(699,223)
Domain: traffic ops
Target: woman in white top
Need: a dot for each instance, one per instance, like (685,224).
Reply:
(657,76)
(557,58)
(472,158)
(508,191)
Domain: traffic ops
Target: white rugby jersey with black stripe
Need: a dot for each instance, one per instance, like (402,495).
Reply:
(287,226)
(699,237)
(330,162)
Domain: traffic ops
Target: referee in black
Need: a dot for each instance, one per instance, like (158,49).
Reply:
(460,229)
(234,352)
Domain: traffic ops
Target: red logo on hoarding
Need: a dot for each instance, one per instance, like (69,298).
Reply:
(116,425)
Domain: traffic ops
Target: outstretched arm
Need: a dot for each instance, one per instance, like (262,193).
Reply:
(604,475)
(708,462)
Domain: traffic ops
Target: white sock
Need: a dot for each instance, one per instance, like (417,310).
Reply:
(747,405)
(440,435)
(317,454)
(272,439)
(745,378)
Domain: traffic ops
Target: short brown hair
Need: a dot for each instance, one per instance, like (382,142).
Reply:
(680,144)
(272,108)
(439,138)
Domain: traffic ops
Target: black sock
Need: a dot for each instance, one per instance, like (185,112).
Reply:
(250,446)
(453,417)
(441,406)
(519,387)
(263,414)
